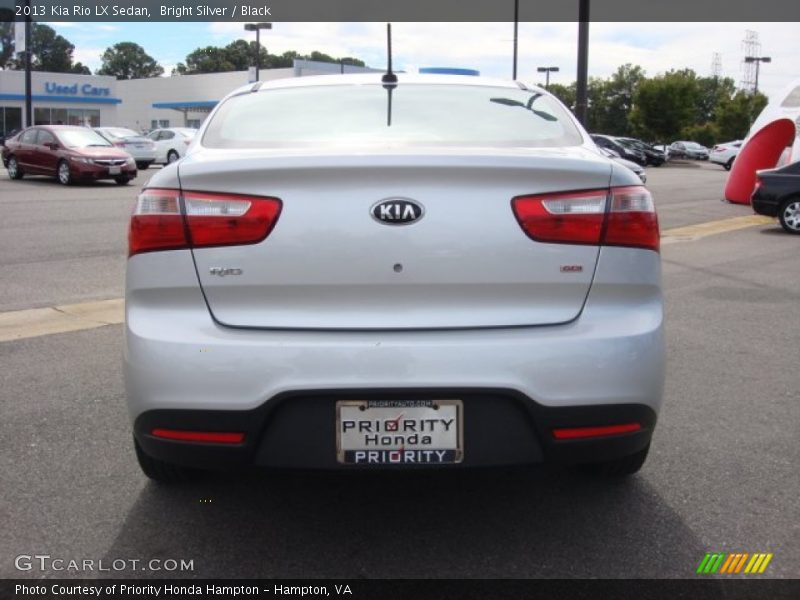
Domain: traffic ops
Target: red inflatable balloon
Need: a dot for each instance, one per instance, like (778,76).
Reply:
(762,151)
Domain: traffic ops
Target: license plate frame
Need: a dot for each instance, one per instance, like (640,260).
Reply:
(114,170)
(445,448)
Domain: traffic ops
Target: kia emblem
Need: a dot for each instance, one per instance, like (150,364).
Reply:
(397,211)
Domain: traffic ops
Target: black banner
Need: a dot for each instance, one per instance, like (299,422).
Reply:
(407,589)
(399,10)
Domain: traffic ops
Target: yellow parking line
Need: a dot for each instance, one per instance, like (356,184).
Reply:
(690,233)
(21,324)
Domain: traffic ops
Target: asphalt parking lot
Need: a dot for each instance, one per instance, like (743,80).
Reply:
(722,473)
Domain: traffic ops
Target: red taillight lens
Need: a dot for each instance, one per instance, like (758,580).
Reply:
(216,437)
(632,220)
(207,219)
(157,223)
(623,216)
(571,218)
(575,433)
(225,220)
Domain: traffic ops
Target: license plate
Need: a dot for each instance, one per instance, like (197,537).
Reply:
(399,432)
(114,170)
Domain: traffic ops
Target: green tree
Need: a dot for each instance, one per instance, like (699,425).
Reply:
(734,117)
(239,55)
(49,50)
(127,60)
(664,105)
(618,94)
(712,91)
(565,93)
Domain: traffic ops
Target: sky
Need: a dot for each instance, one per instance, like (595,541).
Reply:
(657,47)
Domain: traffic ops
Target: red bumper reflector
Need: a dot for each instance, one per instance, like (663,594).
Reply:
(574,433)
(217,437)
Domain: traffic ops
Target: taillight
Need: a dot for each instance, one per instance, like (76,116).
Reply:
(622,216)
(169,220)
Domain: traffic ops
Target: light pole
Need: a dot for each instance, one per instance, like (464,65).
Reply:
(547,70)
(758,60)
(257,27)
(581,87)
(516,39)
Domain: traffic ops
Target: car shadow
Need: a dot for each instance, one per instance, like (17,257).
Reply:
(513,522)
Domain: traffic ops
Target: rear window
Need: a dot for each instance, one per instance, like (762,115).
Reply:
(421,114)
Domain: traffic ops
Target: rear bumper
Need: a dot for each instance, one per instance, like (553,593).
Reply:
(765,205)
(297,430)
(185,371)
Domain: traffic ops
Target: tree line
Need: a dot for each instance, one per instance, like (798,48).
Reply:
(126,60)
(678,104)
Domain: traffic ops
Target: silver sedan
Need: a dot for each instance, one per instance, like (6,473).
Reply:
(354,272)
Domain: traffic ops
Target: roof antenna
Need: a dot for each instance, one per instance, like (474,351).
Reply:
(389,79)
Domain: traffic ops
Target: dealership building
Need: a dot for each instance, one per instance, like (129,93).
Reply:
(139,104)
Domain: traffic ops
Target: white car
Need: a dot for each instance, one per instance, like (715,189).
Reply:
(725,154)
(358,271)
(139,147)
(171,143)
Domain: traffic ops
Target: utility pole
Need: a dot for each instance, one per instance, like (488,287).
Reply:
(257,27)
(581,91)
(28,52)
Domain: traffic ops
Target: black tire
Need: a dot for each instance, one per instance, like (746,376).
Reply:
(122,180)
(143,166)
(172,156)
(789,215)
(63,175)
(14,170)
(618,468)
(728,164)
(160,471)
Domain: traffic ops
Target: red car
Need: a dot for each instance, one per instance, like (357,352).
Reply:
(67,153)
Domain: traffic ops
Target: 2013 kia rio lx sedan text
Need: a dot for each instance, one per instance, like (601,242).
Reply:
(345,272)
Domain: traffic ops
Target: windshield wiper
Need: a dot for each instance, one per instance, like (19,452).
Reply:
(529,106)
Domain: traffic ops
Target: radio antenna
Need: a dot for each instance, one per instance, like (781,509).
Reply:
(389,78)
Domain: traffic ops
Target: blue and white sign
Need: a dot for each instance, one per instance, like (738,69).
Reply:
(86,89)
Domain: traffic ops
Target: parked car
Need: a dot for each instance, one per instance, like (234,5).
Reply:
(371,284)
(625,151)
(777,194)
(691,150)
(171,143)
(653,156)
(67,153)
(638,169)
(142,149)
(724,154)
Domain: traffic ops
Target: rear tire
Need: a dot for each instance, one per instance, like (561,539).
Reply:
(143,166)
(789,215)
(14,170)
(617,468)
(63,173)
(728,165)
(161,471)
(172,156)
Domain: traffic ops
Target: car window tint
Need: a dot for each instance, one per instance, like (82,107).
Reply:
(166,135)
(153,135)
(29,137)
(421,114)
(45,137)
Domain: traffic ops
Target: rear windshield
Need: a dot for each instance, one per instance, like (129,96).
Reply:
(420,114)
